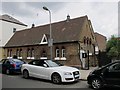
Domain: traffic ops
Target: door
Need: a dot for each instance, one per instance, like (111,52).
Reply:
(33,68)
(43,70)
(37,69)
(1,65)
(6,65)
(113,75)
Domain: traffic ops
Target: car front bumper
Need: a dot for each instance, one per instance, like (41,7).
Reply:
(71,78)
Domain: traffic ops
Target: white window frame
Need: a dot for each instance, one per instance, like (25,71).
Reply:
(56,53)
(63,53)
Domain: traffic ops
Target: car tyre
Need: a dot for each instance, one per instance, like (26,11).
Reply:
(96,83)
(25,74)
(56,78)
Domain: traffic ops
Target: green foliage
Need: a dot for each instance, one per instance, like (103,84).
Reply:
(113,48)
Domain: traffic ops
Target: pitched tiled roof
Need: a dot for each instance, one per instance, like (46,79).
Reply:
(8,18)
(62,31)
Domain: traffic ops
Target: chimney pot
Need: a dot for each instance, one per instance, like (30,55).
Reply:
(33,25)
(68,18)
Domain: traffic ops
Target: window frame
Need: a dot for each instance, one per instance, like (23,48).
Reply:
(57,52)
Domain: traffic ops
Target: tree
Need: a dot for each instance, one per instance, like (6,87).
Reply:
(113,48)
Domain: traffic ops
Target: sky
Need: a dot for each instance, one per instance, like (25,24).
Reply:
(103,14)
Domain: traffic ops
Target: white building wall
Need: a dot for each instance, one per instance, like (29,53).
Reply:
(6,31)
(0,34)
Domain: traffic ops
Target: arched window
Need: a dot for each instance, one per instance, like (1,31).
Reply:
(63,51)
(8,53)
(44,54)
(84,40)
(57,52)
(87,40)
(90,42)
(20,53)
(32,52)
(17,52)
(28,52)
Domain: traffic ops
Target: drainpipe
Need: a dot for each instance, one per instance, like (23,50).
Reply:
(79,53)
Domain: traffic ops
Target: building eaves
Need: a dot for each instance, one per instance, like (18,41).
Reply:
(10,19)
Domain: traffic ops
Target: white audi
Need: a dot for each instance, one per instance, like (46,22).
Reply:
(50,70)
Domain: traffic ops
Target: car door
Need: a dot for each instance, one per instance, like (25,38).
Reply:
(5,65)
(32,67)
(1,65)
(43,70)
(113,75)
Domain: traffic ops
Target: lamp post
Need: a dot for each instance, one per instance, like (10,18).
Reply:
(50,43)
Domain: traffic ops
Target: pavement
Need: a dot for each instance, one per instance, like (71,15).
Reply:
(85,73)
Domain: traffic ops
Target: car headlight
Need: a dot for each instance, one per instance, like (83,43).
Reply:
(67,73)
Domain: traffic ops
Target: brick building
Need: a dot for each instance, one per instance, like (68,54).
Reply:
(71,39)
(101,42)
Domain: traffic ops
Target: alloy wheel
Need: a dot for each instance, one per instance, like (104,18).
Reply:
(25,74)
(96,83)
(56,78)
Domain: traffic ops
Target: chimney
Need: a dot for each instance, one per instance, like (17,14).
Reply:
(33,25)
(68,18)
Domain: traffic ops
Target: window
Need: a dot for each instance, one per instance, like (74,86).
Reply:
(57,52)
(14,30)
(11,53)
(63,52)
(28,52)
(87,40)
(20,53)
(17,52)
(32,53)
(90,42)
(84,40)
(115,68)
(8,53)
(36,63)
(43,54)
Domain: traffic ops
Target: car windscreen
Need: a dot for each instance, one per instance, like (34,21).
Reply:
(51,63)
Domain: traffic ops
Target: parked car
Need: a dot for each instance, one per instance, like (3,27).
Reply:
(10,66)
(106,75)
(50,70)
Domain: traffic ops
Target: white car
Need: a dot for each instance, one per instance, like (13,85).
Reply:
(50,70)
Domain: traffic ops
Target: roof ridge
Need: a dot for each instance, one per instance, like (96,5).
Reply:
(59,21)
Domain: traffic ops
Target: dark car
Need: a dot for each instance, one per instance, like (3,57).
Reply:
(106,75)
(10,66)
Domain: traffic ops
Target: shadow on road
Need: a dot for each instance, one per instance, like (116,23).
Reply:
(48,81)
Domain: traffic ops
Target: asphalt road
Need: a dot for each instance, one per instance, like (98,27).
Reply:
(16,81)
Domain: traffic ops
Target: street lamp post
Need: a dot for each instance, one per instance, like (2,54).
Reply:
(50,40)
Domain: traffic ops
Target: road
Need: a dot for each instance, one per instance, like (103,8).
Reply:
(16,81)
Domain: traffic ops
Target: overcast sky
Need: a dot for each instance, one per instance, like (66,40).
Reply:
(103,15)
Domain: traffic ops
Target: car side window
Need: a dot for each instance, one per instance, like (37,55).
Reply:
(7,62)
(36,63)
(115,68)
(2,61)
(42,63)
